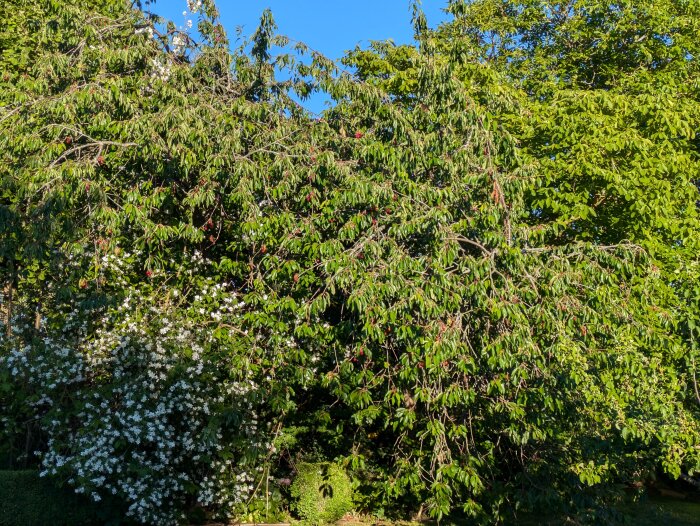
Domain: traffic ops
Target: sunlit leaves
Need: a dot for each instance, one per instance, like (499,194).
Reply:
(478,268)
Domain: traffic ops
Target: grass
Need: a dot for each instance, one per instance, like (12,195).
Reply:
(659,511)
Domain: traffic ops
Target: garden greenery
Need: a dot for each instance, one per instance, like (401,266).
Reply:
(472,283)
(322,493)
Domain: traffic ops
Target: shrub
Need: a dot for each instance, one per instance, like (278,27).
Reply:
(322,493)
(28,500)
(151,418)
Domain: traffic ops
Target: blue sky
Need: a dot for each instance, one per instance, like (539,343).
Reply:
(329,26)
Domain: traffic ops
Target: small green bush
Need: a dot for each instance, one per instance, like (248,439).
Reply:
(28,500)
(322,493)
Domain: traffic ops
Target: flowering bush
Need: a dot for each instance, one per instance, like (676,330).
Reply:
(139,404)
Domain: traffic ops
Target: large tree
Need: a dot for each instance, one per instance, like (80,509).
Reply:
(472,281)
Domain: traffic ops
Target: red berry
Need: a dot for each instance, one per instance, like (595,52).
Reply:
(358,135)
(68,139)
(100,160)
(296,278)
(263,249)
(149,273)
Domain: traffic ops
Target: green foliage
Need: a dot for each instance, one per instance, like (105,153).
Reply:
(27,500)
(604,108)
(17,430)
(474,280)
(322,493)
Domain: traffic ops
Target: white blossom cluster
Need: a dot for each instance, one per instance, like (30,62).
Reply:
(144,423)
(179,43)
(148,31)
(194,5)
(160,70)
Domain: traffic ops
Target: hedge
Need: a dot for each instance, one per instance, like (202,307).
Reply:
(28,500)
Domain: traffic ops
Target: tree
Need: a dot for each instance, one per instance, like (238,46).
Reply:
(421,286)
(606,118)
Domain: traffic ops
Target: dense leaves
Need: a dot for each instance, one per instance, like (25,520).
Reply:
(472,282)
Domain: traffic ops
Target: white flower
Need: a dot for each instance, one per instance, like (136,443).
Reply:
(162,71)
(178,44)
(194,5)
(148,31)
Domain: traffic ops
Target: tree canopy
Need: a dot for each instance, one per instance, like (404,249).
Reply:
(472,283)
